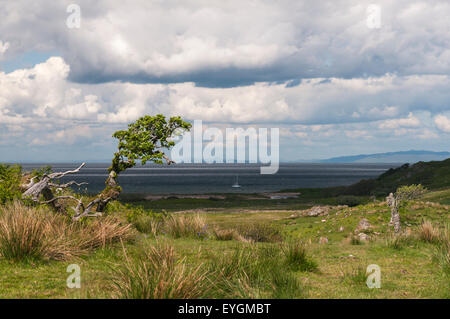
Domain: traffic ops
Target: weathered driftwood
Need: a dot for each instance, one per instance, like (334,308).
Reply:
(34,190)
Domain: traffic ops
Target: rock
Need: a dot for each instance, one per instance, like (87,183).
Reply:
(323,240)
(363,225)
(317,211)
(323,220)
(363,237)
(341,228)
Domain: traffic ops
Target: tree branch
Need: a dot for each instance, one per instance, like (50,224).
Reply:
(67,184)
(62,174)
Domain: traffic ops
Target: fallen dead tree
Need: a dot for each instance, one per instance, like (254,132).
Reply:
(45,187)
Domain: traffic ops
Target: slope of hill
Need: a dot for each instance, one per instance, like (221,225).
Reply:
(432,175)
(392,157)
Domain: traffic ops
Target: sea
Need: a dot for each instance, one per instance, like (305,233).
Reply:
(218,178)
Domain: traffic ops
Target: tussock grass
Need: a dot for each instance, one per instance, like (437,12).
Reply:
(228,234)
(355,275)
(35,233)
(354,240)
(149,225)
(428,232)
(297,258)
(254,272)
(399,241)
(442,252)
(159,274)
(178,226)
(260,232)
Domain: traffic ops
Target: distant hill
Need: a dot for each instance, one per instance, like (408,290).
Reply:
(432,175)
(392,157)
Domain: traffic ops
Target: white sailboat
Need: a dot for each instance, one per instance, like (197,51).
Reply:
(236,184)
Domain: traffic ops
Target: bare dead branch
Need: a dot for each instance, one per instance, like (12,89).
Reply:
(62,174)
(67,184)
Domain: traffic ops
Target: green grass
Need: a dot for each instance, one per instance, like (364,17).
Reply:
(298,267)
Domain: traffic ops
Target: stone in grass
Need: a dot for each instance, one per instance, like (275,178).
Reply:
(323,240)
(363,237)
(341,229)
(363,225)
(317,211)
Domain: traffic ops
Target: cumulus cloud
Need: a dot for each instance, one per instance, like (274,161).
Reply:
(313,69)
(442,122)
(218,45)
(410,121)
(44,93)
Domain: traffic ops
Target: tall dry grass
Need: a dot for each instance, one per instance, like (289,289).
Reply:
(178,226)
(159,274)
(428,232)
(30,232)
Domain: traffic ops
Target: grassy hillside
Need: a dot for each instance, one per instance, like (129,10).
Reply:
(433,175)
(243,253)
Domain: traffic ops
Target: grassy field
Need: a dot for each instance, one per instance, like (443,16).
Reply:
(241,248)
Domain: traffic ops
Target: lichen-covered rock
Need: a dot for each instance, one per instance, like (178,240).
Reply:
(317,211)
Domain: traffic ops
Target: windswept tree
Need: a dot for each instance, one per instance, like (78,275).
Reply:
(144,141)
(400,199)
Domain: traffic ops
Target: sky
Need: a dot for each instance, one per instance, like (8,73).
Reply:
(336,77)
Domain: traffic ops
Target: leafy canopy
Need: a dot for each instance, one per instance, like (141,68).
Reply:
(145,140)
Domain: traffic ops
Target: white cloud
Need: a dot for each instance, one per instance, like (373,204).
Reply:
(216,45)
(410,121)
(44,94)
(3,47)
(442,122)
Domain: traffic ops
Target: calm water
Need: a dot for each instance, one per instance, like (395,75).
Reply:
(218,178)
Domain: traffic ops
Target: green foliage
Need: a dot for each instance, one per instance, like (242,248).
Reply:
(10,177)
(144,140)
(407,193)
(39,173)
